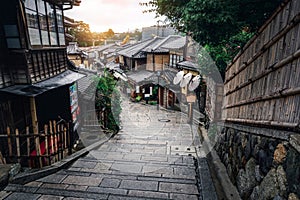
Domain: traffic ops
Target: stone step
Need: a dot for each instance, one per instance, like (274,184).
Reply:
(109,188)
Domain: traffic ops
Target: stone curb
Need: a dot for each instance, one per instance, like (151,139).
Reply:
(23,178)
(226,190)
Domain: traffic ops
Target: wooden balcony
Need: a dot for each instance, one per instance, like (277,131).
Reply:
(43,64)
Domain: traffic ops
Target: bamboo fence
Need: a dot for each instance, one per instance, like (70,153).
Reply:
(37,149)
(262,85)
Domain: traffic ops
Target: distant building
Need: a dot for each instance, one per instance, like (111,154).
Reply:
(161,31)
(77,55)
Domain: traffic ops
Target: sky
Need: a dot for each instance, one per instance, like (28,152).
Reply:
(119,15)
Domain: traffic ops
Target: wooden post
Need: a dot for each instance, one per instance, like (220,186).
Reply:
(46,145)
(190,113)
(9,142)
(33,115)
(51,138)
(69,138)
(65,137)
(55,141)
(18,146)
(58,142)
(37,145)
(28,146)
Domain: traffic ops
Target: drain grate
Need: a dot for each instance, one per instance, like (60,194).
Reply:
(164,120)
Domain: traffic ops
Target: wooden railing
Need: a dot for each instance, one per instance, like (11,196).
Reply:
(37,149)
(45,63)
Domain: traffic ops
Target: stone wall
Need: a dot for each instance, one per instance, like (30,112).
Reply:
(261,167)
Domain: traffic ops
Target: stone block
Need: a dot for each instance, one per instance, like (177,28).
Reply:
(178,188)
(148,194)
(111,183)
(85,181)
(102,190)
(22,196)
(139,185)
(280,154)
(246,179)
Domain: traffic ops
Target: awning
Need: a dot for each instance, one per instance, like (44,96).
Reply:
(120,75)
(140,77)
(33,90)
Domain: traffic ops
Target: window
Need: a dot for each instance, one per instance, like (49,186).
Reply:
(174,59)
(12,36)
(45,23)
(60,26)
(32,22)
(52,25)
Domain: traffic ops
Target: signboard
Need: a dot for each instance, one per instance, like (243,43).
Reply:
(191,98)
(74,104)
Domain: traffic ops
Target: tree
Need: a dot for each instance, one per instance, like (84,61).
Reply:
(109,34)
(82,34)
(108,102)
(220,25)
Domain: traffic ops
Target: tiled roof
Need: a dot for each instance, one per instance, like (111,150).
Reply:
(157,45)
(73,48)
(62,79)
(135,49)
(189,65)
(165,44)
(87,85)
(139,76)
(175,43)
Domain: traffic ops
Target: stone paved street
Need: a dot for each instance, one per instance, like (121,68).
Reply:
(152,157)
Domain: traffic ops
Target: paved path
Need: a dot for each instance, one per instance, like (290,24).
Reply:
(152,157)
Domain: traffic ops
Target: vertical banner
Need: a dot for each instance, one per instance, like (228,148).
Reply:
(74,105)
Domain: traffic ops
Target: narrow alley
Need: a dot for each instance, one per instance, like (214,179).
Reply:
(154,156)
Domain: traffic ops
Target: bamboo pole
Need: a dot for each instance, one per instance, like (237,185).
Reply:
(264,122)
(18,146)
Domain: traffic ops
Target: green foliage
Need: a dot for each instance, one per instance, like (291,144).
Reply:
(222,26)
(82,34)
(108,100)
(225,51)
(138,98)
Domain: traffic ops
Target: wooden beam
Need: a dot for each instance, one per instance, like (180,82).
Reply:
(33,114)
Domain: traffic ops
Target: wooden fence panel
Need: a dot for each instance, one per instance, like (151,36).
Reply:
(36,149)
(262,85)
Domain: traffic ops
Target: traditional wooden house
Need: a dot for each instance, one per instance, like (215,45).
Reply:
(36,83)
(150,57)
(78,56)
(163,56)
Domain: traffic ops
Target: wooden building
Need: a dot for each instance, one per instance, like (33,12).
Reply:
(77,55)
(149,57)
(36,83)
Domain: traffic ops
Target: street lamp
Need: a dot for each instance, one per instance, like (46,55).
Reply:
(158,74)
